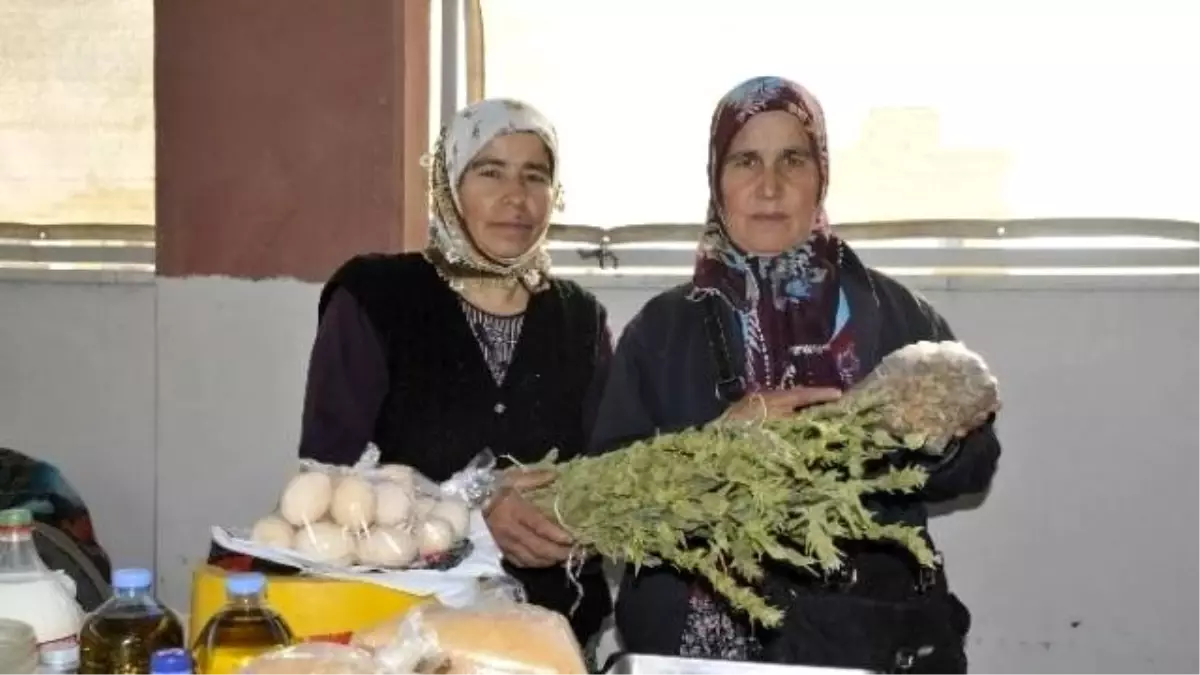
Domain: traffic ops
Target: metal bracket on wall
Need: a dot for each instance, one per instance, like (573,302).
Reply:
(602,254)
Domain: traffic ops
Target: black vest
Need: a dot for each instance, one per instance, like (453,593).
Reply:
(444,407)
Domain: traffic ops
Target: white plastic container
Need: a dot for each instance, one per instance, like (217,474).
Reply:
(59,659)
(18,647)
(44,599)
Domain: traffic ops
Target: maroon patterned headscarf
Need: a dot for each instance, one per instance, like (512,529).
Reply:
(793,313)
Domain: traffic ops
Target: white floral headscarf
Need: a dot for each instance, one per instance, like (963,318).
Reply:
(451,249)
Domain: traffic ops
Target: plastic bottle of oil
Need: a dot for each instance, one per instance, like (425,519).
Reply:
(121,634)
(243,629)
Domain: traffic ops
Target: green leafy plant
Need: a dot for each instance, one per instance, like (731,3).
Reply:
(717,500)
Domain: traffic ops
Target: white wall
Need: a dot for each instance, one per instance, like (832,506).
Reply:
(173,405)
(77,388)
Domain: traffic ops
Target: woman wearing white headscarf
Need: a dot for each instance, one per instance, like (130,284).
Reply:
(471,344)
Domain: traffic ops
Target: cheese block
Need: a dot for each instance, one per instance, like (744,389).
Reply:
(501,638)
(313,658)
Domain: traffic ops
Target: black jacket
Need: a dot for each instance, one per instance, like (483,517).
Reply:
(664,379)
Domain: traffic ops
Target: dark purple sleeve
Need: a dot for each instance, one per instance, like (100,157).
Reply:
(347,383)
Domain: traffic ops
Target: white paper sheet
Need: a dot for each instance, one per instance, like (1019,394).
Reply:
(455,587)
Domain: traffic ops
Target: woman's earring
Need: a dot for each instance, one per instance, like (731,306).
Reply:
(560,204)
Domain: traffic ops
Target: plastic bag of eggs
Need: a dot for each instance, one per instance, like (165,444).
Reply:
(381,519)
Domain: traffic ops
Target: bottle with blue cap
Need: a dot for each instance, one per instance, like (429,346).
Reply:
(171,662)
(245,628)
(123,633)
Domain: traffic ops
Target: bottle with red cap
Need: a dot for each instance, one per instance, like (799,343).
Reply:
(34,595)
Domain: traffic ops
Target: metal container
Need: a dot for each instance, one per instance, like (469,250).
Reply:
(671,665)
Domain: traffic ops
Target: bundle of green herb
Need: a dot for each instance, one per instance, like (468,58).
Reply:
(716,500)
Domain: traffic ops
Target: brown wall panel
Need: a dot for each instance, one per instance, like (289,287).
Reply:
(289,133)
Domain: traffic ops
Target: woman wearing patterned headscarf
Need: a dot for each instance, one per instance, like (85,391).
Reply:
(781,314)
(471,344)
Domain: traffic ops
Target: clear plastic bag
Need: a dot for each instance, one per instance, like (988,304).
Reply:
(928,391)
(496,635)
(387,517)
(489,591)
(501,589)
(314,657)
(473,484)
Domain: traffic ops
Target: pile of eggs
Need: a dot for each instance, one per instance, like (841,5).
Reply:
(348,520)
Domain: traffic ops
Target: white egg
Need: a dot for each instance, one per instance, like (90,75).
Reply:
(353,503)
(394,504)
(434,536)
(424,506)
(273,531)
(306,498)
(387,547)
(325,542)
(398,473)
(454,512)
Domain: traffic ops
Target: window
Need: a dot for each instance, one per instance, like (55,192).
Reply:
(992,134)
(76,131)
(1012,120)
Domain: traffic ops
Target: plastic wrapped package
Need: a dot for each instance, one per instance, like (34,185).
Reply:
(495,636)
(314,657)
(501,589)
(515,638)
(474,483)
(386,517)
(407,532)
(489,592)
(930,390)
